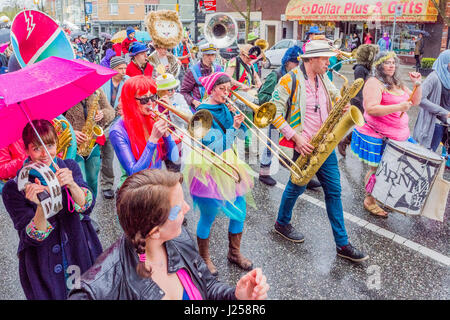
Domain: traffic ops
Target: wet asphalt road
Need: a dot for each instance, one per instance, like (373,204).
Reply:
(401,265)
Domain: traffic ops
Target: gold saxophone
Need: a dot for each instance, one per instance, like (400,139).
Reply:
(90,129)
(330,133)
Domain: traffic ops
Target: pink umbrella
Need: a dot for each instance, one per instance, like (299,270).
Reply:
(45,90)
(3,47)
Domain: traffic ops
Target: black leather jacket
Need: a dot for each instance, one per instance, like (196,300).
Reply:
(114,277)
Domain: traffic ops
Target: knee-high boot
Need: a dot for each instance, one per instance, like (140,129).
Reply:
(234,252)
(203,248)
(344,143)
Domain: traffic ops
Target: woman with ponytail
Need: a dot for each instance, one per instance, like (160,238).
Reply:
(139,141)
(156,258)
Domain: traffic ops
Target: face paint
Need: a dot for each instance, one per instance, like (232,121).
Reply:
(173,214)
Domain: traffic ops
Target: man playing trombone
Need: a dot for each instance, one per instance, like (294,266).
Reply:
(311,104)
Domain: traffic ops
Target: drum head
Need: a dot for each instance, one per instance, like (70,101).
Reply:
(404,176)
(415,149)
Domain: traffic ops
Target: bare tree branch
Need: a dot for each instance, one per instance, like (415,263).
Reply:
(441,8)
(233,3)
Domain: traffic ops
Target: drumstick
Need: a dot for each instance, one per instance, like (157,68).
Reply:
(416,85)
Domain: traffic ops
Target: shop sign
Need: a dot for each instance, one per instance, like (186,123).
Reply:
(371,10)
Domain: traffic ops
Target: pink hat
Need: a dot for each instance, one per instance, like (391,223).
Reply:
(209,81)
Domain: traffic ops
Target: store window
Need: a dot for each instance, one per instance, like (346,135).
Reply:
(404,38)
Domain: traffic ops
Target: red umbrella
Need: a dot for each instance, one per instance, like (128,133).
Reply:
(45,90)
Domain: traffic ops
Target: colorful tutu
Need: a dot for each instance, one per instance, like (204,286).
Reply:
(207,181)
(369,149)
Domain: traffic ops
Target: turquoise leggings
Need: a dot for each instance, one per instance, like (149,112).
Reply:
(90,168)
(209,208)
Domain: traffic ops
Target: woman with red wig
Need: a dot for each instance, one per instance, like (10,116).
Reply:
(139,141)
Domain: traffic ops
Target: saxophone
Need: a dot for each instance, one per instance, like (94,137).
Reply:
(330,133)
(90,129)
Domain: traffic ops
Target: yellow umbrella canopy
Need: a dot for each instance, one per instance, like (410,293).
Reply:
(119,36)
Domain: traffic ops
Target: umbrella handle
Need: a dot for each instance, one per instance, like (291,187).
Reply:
(39,137)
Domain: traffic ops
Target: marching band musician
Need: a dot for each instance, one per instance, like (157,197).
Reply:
(386,100)
(139,64)
(311,104)
(166,85)
(48,247)
(139,141)
(213,191)
(78,116)
(244,77)
(191,88)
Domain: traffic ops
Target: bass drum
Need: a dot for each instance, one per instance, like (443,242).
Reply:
(67,142)
(405,176)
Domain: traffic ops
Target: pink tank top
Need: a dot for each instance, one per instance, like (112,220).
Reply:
(391,125)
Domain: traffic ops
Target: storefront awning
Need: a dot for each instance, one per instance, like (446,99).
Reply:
(361,10)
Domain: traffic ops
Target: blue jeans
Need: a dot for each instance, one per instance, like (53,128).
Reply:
(90,168)
(329,177)
(266,156)
(439,136)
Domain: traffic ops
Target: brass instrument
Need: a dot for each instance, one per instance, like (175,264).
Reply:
(345,85)
(330,133)
(90,129)
(221,30)
(203,130)
(260,132)
(264,45)
(198,124)
(264,114)
(64,136)
(336,44)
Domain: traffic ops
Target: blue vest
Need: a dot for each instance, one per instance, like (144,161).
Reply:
(197,73)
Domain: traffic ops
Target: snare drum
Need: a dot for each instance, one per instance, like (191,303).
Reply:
(405,176)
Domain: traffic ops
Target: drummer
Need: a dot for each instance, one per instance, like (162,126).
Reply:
(244,77)
(386,100)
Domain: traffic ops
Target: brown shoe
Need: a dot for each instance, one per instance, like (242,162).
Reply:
(203,248)
(234,252)
(344,143)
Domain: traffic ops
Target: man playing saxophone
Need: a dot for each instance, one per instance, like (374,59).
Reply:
(312,95)
(92,111)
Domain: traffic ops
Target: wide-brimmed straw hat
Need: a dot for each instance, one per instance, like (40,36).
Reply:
(318,48)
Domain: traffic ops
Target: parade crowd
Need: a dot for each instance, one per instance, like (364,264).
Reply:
(156,258)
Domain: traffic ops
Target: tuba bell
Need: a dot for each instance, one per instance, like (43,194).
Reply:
(221,30)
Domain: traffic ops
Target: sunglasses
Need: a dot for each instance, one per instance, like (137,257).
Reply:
(146,100)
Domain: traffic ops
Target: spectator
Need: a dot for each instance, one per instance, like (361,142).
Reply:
(418,50)
(127,42)
(87,49)
(11,160)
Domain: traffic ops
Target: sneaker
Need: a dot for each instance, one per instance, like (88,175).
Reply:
(289,232)
(266,179)
(351,253)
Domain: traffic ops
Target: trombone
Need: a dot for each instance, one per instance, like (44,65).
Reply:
(204,118)
(259,131)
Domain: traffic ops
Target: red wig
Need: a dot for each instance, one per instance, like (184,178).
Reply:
(137,124)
